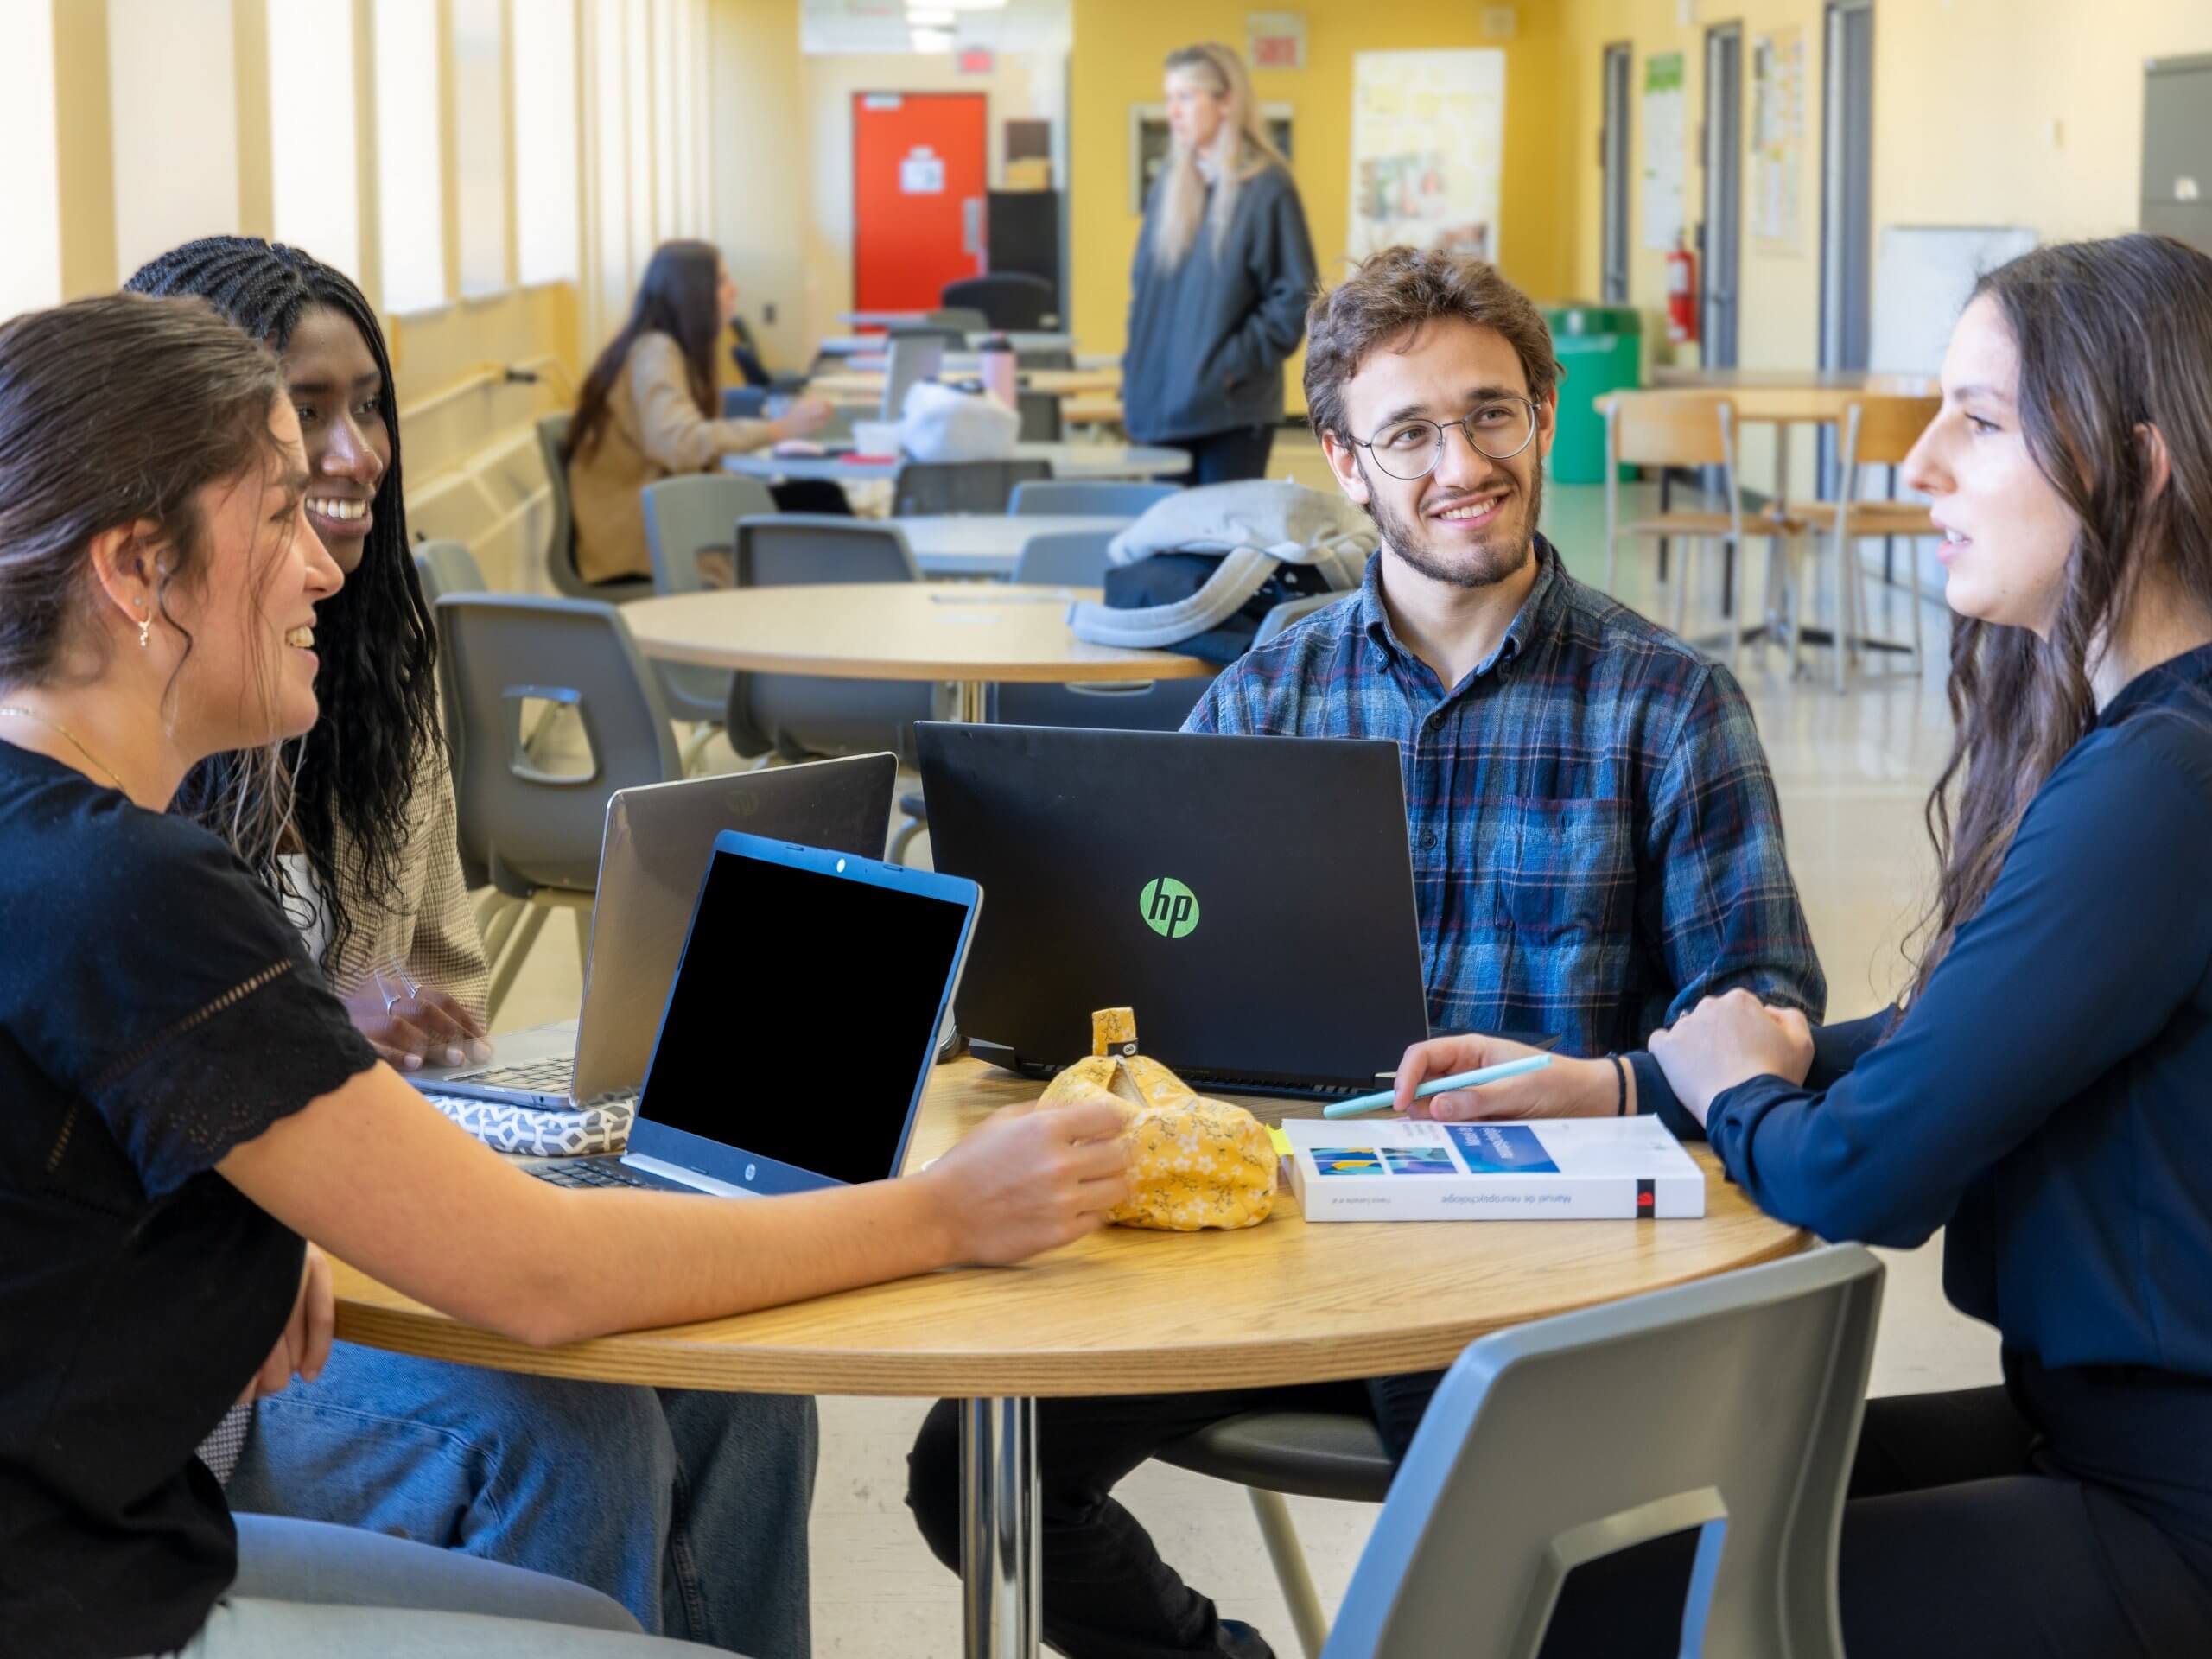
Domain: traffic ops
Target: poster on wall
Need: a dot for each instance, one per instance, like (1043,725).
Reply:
(1149,142)
(1778,140)
(1427,140)
(1666,149)
(1275,39)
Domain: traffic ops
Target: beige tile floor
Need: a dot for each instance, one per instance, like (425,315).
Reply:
(1852,771)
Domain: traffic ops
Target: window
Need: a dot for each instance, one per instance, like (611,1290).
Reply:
(410,206)
(173,104)
(30,235)
(545,143)
(611,201)
(480,143)
(315,201)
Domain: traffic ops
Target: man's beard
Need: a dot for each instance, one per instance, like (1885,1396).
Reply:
(1488,562)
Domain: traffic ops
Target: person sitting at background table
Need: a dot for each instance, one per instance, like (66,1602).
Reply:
(696,1518)
(1219,286)
(647,411)
(1596,841)
(188,1102)
(2042,1097)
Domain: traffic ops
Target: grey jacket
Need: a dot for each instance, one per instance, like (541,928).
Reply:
(1208,339)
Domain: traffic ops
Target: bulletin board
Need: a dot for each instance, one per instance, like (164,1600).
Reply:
(1428,149)
(1779,141)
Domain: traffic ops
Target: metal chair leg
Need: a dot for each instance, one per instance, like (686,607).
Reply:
(697,746)
(1291,1571)
(516,953)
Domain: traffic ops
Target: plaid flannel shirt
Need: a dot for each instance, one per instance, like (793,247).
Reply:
(1596,842)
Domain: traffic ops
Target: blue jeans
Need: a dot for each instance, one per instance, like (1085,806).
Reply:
(688,1507)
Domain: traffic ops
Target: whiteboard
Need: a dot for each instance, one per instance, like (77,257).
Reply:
(1922,278)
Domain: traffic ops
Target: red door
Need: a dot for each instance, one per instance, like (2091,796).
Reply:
(919,172)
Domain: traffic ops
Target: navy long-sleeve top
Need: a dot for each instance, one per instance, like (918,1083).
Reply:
(2048,1096)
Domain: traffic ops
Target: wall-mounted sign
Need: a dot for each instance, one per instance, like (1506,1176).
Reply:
(922,173)
(1275,39)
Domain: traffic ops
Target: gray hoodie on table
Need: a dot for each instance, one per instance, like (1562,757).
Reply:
(1208,339)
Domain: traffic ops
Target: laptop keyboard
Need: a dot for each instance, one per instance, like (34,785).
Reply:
(1287,1088)
(541,1077)
(595,1172)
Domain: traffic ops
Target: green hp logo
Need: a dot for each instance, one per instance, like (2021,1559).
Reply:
(1171,909)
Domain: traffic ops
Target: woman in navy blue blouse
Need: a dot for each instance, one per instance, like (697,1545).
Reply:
(2046,1094)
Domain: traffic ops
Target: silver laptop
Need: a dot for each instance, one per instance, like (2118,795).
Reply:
(656,845)
(796,1040)
(912,360)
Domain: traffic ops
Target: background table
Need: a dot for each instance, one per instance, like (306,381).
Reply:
(987,544)
(1068,460)
(1125,1311)
(974,636)
(860,387)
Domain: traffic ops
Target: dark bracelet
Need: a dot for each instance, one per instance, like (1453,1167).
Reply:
(1620,1074)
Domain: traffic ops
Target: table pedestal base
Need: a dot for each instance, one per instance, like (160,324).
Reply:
(1000,1578)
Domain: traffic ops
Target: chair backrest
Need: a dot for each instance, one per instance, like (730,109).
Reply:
(1671,429)
(1290,611)
(789,548)
(1066,558)
(960,486)
(561,541)
(1006,299)
(968,319)
(692,512)
(952,339)
(1122,498)
(447,568)
(1044,357)
(540,828)
(1744,1396)
(1040,416)
(1886,429)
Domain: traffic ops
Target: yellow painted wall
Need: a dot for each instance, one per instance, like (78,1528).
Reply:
(759,130)
(1119,48)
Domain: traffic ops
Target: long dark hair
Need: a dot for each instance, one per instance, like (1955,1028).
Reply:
(114,411)
(676,297)
(357,766)
(2112,336)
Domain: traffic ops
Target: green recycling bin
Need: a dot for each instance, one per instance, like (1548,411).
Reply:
(1601,349)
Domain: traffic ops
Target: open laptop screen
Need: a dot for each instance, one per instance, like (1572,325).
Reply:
(804,1013)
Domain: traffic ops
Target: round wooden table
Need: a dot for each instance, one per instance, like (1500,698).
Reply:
(1068,460)
(974,635)
(1123,1312)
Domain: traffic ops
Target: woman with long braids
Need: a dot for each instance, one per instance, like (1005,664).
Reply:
(2044,1096)
(696,1513)
(647,411)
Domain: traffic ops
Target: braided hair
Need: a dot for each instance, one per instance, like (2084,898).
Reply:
(356,766)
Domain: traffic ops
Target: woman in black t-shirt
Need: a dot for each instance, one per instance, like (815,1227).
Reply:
(184,1101)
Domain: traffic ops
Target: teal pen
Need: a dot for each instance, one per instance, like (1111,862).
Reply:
(1359,1103)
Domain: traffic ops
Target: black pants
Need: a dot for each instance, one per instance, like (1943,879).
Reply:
(1225,457)
(810,495)
(1963,1536)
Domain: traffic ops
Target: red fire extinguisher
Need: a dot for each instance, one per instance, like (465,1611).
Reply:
(1682,294)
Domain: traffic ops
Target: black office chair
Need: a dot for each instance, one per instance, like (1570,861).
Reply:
(1011,299)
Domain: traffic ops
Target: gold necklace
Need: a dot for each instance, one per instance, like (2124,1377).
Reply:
(56,725)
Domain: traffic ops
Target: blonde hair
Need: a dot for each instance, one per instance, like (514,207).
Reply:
(1241,150)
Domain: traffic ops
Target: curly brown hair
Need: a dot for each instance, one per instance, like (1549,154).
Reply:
(1399,288)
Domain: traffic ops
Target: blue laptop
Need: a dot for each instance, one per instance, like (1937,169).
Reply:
(800,1028)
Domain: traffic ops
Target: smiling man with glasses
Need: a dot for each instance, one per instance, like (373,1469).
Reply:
(1596,844)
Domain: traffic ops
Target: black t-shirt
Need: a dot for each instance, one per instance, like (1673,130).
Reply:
(155,1010)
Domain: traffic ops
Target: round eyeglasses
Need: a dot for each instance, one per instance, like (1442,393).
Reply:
(1498,428)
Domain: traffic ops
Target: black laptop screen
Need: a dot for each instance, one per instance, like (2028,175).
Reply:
(803,1013)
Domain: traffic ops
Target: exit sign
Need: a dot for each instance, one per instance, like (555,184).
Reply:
(975,61)
(1275,39)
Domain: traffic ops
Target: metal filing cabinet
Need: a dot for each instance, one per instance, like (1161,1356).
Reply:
(2177,148)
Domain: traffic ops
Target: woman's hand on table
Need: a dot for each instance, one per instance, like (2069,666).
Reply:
(410,1025)
(1566,1088)
(805,416)
(1029,1179)
(305,1345)
(1728,1039)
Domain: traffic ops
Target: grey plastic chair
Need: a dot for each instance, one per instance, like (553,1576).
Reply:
(684,517)
(1292,610)
(540,828)
(954,335)
(1119,497)
(1078,559)
(561,544)
(1040,416)
(445,568)
(1044,357)
(800,717)
(930,487)
(1741,1423)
